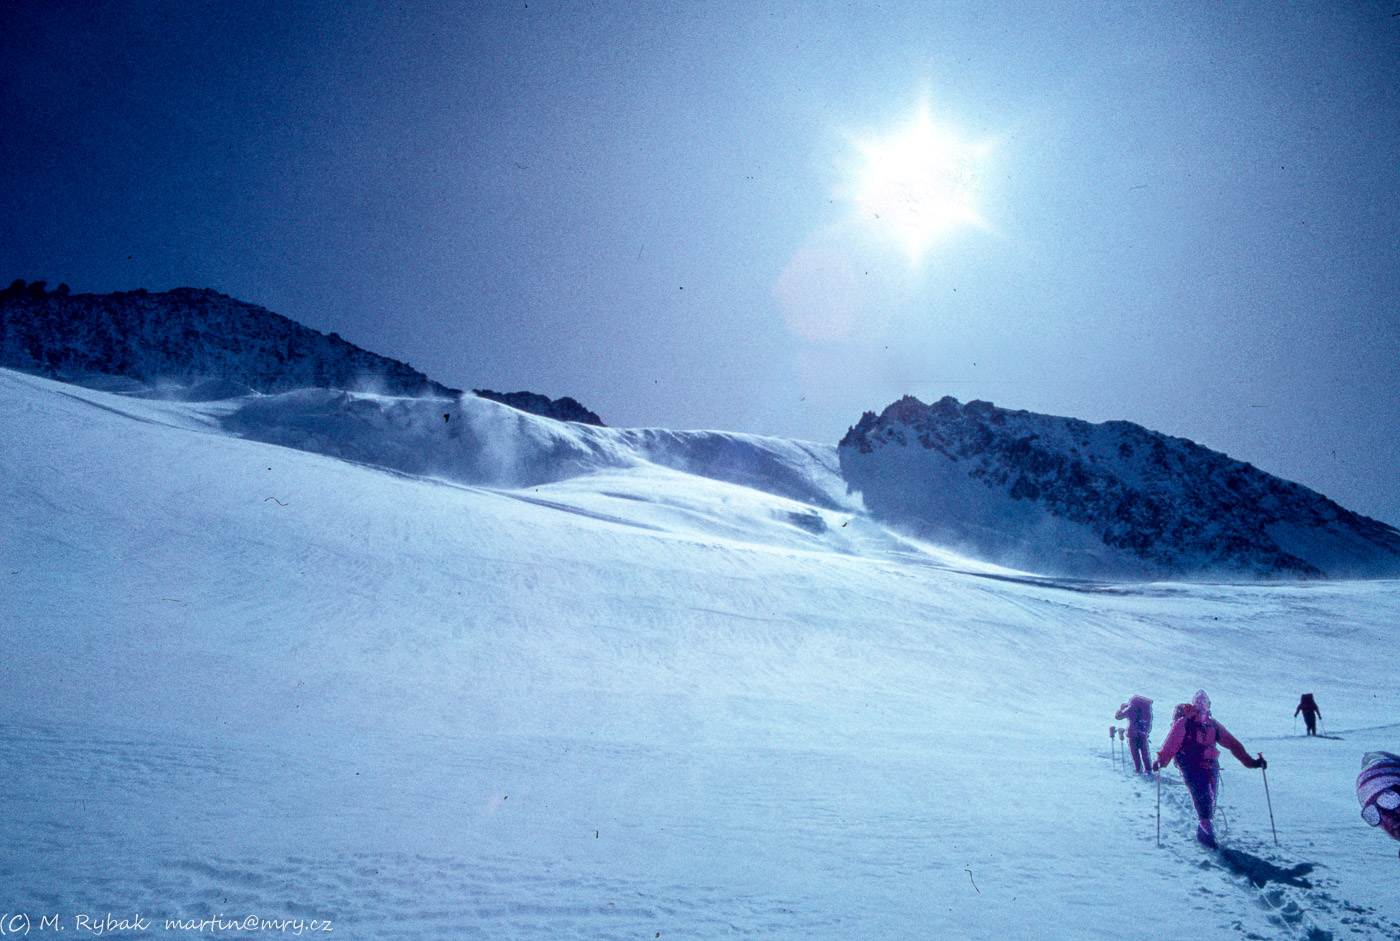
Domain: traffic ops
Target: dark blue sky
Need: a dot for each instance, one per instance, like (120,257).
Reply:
(1188,212)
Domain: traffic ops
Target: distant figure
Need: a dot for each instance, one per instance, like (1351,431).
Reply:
(1192,743)
(1138,712)
(1308,707)
(1378,789)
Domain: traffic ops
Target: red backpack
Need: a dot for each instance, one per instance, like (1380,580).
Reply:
(1198,745)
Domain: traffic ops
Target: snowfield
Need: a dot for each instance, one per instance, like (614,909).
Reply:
(311,657)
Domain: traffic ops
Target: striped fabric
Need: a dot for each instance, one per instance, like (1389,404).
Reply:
(1378,785)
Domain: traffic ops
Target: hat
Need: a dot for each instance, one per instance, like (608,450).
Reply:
(1376,785)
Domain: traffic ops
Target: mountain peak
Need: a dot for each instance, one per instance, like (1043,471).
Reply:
(186,335)
(1114,498)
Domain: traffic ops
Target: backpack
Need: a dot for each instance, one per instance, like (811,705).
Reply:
(1140,716)
(1198,745)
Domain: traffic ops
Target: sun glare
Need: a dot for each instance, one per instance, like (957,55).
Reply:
(919,184)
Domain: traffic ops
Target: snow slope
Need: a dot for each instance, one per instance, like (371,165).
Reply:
(468,439)
(617,699)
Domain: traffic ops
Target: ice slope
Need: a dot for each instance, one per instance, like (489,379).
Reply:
(248,680)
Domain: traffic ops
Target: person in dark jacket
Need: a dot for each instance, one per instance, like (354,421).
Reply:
(1308,707)
(1191,742)
(1138,712)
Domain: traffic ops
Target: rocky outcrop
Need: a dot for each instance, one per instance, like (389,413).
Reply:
(187,335)
(564,409)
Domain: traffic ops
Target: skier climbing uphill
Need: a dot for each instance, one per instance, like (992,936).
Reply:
(1378,790)
(1308,707)
(1138,712)
(1192,742)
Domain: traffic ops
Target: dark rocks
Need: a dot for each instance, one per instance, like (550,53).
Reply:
(187,335)
(996,480)
(564,409)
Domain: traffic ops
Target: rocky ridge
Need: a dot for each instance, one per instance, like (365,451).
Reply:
(193,337)
(1106,498)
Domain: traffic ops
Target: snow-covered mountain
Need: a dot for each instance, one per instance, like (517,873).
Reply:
(186,335)
(1036,493)
(1061,495)
(245,680)
(202,343)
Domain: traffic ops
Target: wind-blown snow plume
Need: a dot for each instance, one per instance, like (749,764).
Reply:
(472,440)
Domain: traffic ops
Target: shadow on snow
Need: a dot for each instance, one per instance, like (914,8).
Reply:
(1261,872)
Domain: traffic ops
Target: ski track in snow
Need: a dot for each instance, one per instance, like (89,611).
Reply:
(1293,895)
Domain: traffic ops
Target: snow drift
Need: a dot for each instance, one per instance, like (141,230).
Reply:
(474,440)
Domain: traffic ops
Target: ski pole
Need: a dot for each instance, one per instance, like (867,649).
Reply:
(1159,807)
(1265,772)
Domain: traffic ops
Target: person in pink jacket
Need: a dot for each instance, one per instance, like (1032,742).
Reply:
(1138,712)
(1191,742)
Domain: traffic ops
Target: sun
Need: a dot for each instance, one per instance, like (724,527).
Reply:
(919,184)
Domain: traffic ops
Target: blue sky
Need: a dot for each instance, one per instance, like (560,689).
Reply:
(1186,212)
